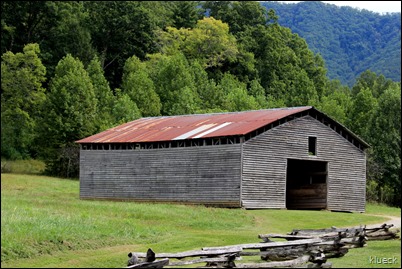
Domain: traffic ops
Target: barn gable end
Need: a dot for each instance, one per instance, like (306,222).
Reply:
(266,158)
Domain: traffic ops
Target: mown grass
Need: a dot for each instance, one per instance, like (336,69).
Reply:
(45,224)
(368,257)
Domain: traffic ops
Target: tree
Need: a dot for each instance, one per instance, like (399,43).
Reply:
(336,102)
(23,22)
(350,40)
(287,69)
(335,106)
(236,97)
(212,45)
(365,94)
(187,102)
(124,109)
(140,88)
(103,94)
(207,90)
(385,138)
(258,92)
(361,113)
(209,42)
(376,83)
(71,34)
(238,14)
(174,83)
(70,115)
(22,76)
(120,29)
(57,26)
(185,14)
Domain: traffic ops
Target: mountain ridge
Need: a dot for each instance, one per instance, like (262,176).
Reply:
(350,40)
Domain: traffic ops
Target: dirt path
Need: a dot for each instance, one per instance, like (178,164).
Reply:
(396,221)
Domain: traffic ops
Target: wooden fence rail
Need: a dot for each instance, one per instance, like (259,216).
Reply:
(303,248)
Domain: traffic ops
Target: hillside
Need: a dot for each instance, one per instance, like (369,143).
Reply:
(350,40)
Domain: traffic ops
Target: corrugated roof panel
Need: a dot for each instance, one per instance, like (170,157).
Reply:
(236,128)
(168,128)
(195,131)
(220,126)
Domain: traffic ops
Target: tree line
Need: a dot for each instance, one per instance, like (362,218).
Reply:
(73,69)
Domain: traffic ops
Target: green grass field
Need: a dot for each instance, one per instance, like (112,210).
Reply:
(45,224)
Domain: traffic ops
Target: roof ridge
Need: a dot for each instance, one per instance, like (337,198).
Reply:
(229,112)
(192,126)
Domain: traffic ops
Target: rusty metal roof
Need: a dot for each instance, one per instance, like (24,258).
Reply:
(167,128)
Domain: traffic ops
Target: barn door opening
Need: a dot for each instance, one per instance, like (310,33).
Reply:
(306,184)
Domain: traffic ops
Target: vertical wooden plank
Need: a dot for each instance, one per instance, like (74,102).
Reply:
(204,175)
(265,157)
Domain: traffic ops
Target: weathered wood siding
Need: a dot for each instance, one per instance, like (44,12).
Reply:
(265,163)
(205,175)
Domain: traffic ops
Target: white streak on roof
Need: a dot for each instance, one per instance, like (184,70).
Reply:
(195,131)
(213,129)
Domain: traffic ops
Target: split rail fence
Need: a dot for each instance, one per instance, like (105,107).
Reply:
(303,248)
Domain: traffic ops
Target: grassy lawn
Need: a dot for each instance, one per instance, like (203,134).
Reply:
(45,224)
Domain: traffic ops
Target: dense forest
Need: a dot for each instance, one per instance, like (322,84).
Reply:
(70,69)
(350,40)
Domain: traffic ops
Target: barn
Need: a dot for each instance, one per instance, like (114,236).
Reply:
(294,158)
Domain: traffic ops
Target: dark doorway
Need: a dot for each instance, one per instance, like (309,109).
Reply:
(306,184)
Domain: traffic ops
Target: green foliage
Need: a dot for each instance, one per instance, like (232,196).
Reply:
(337,102)
(238,14)
(375,116)
(209,94)
(24,22)
(103,94)
(185,14)
(124,109)
(175,84)
(212,45)
(209,42)
(120,29)
(71,94)
(370,80)
(22,93)
(235,96)
(287,69)
(350,40)
(70,115)
(332,106)
(70,34)
(57,26)
(361,112)
(258,92)
(140,88)
(378,192)
(187,102)
(385,138)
